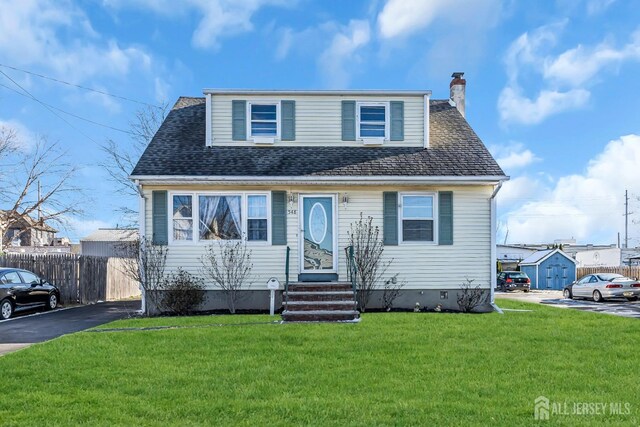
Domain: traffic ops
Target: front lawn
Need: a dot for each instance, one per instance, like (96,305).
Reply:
(397,368)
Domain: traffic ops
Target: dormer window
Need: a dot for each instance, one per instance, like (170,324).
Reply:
(373,121)
(264,120)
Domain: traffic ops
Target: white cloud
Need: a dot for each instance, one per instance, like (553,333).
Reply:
(403,17)
(587,207)
(58,36)
(219,18)
(24,138)
(566,76)
(80,228)
(342,52)
(517,108)
(595,7)
(577,66)
(513,156)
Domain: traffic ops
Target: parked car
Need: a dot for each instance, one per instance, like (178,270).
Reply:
(513,281)
(600,286)
(21,289)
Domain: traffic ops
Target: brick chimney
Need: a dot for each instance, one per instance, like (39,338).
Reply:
(457,89)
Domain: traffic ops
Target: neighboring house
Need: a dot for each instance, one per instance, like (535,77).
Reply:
(509,256)
(295,168)
(28,232)
(549,269)
(107,242)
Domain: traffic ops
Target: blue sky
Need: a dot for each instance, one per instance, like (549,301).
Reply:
(552,86)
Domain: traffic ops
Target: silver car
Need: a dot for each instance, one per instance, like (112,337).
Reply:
(600,286)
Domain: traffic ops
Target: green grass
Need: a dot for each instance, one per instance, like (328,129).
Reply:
(391,369)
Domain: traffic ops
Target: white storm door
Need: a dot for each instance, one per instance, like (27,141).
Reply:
(318,234)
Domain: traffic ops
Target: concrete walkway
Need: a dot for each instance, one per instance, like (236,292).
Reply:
(20,332)
(617,307)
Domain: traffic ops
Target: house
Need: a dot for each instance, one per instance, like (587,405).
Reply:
(107,242)
(293,169)
(549,269)
(27,231)
(509,256)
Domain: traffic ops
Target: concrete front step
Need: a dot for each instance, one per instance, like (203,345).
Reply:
(328,286)
(319,305)
(320,316)
(320,295)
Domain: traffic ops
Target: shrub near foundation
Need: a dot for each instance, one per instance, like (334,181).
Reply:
(183,293)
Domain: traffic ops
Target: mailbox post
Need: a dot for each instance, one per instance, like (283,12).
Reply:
(273,285)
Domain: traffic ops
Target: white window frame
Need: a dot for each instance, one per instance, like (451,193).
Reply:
(170,215)
(246,219)
(244,209)
(264,138)
(401,218)
(387,111)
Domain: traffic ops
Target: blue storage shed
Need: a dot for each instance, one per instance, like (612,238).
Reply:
(549,269)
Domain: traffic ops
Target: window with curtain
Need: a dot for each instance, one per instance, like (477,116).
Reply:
(417,218)
(220,217)
(182,217)
(257,218)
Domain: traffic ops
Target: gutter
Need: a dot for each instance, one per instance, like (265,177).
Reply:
(379,92)
(318,180)
(492,200)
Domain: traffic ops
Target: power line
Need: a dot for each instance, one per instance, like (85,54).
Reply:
(124,98)
(48,108)
(67,112)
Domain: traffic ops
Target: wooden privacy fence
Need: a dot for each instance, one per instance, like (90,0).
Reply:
(624,270)
(83,279)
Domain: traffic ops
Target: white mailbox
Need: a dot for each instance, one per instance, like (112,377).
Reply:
(273,285)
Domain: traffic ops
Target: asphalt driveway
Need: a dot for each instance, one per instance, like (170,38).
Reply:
(20,331)
(617,307)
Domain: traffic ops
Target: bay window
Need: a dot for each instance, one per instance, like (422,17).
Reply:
(219,217)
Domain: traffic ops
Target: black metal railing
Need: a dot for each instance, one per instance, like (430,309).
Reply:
(352,270)
(286,278)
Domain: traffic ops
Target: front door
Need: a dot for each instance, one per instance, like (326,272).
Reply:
(318,232)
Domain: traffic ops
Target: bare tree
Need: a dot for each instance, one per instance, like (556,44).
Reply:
(471,297)
(228,264)
(391,291)
(38,181)
(368,248)
(145,263)
(121,158)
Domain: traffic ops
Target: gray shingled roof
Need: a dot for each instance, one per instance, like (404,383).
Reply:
(178,148)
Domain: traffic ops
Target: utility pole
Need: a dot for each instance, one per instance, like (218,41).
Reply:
(626,219)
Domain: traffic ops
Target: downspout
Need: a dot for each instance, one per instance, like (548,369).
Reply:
(141,233)
(493,247)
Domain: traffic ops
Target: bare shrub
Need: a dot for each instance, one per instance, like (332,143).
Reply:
(391,290)
(145,263)
(470,297)
(182,292)
(368,248)
(228,264)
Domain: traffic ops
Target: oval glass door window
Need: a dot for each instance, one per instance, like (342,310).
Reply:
(317,223)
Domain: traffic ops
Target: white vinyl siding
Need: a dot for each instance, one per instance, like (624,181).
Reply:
(422,266)
(318,120)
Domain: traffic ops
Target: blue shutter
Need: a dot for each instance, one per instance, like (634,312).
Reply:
(445,218)
(348,120)
(288,120)
(160,234)
(390,220)
(239,120)
(397,120)
(278,217)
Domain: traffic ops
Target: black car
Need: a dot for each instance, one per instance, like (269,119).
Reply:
(22,289)
(513,281)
